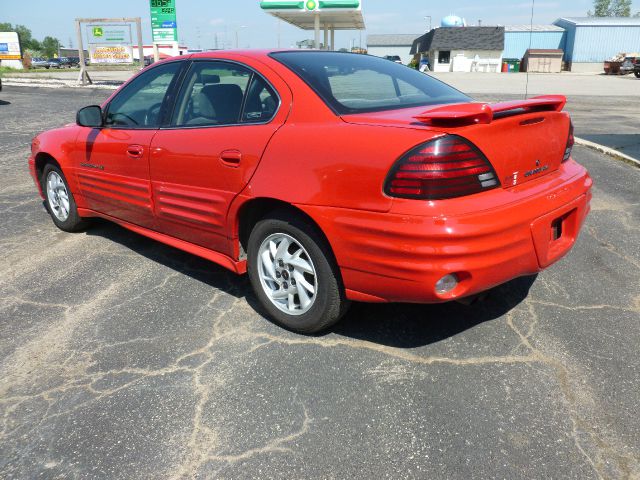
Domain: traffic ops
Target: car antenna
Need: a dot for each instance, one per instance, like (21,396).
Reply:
(526,88)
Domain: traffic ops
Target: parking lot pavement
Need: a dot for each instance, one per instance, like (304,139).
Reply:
(124,358)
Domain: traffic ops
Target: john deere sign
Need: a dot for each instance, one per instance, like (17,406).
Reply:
(109,34)
(164,27)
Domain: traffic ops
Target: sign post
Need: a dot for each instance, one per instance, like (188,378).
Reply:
(111,40)
(164,28)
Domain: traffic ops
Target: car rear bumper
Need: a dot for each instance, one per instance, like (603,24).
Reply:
(399,257)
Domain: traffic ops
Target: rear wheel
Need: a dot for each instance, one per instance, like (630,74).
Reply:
(637,74)
(293,273)
(59,200)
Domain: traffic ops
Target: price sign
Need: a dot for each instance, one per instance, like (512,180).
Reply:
(163,21)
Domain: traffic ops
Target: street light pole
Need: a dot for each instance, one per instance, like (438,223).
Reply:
(429,17)
(237,30)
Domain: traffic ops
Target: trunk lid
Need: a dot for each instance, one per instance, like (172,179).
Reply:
(523,139)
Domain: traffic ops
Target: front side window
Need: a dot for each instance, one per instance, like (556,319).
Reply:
(139,104)
(354,83)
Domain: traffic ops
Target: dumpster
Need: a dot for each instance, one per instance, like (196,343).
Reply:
(513,64)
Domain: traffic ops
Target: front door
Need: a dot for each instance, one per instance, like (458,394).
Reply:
(113,166)
(224,116)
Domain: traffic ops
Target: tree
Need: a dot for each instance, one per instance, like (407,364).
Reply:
(601,8)
(611,8)
(50,46)
(621,8)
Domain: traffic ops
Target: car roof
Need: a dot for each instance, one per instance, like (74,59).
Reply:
(255,53)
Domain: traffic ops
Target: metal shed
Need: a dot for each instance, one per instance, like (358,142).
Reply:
(542,60)
(591,40)
(518,37)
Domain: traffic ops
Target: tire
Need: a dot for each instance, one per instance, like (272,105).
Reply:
(308,251)
(637,74)
(63,213)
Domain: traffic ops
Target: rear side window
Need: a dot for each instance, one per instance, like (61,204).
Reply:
(354,83)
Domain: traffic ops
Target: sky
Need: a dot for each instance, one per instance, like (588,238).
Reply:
(214,23)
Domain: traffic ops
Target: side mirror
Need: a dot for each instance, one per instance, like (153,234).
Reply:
(90,116)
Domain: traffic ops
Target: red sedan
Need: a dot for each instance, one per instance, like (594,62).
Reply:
(328,177)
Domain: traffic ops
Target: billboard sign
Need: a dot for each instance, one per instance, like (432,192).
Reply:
(10,46)
(110,54)
(109,34)
(164,27)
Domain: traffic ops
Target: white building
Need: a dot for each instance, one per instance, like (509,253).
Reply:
(462,49)
(391,44)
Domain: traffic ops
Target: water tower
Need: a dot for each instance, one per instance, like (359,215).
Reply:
(452,21)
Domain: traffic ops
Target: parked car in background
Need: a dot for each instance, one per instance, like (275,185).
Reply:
(636,68)
(148,60)
(627,65)
(393,58)
(69,62)
(39,62)
(324,187)
(55,63)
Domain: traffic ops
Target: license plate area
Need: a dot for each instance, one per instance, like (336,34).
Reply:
(555,233)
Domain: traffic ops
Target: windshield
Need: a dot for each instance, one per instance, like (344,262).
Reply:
(355,83)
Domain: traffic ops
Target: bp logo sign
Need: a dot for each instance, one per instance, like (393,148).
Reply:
(97,32)
(311,4)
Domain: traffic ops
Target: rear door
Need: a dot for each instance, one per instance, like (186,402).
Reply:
(224,116)
(113,167)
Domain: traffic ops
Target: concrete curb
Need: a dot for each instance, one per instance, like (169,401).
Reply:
(608,151)
(55,83)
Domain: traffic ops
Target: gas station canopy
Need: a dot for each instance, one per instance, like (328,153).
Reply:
(330,15)
(341,14)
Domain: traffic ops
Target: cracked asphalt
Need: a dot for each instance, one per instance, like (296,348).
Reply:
(124,358)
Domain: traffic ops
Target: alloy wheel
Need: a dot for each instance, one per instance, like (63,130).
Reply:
(287,274)
(58,196)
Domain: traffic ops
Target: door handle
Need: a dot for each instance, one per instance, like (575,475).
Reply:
(135,151)
(231,158)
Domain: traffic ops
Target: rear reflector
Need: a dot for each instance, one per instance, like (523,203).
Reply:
(446,167)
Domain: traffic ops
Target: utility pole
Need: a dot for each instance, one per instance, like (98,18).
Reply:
(279,22)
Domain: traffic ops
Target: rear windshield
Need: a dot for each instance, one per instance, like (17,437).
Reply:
(355,83)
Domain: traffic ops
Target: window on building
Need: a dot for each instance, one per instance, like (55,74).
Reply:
(444,56)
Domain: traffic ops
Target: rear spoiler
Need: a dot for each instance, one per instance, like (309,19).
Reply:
(462,114)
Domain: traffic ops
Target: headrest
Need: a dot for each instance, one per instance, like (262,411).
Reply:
(207,78)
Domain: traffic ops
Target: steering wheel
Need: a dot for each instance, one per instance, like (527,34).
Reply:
(113,115)
(152,114)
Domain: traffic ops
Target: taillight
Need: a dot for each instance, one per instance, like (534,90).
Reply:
(570,141)
(446,167)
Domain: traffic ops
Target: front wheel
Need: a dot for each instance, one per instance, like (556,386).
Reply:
(637,74)
(293,273)
(59,200)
